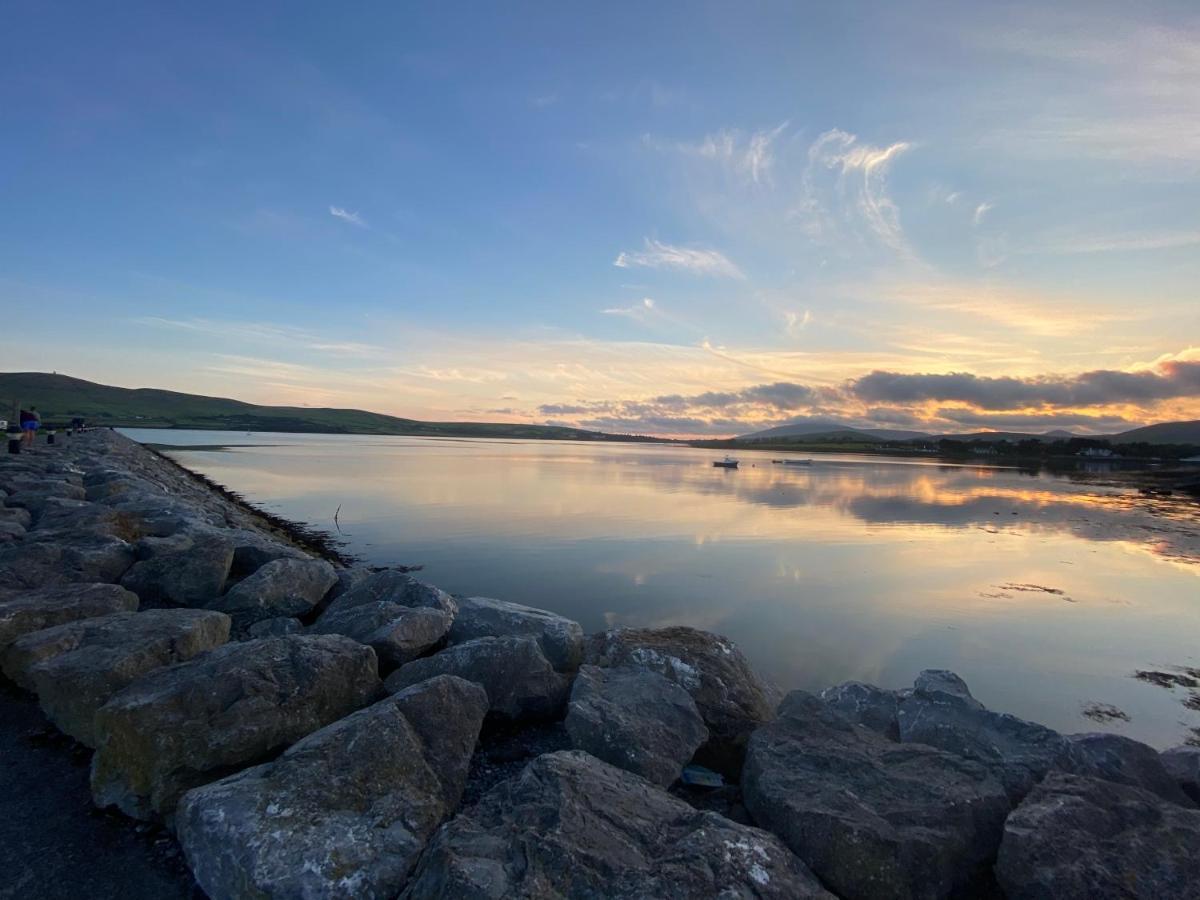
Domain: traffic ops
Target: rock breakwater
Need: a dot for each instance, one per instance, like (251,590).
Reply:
(310,729)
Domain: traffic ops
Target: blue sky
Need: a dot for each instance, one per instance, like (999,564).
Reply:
(672,218)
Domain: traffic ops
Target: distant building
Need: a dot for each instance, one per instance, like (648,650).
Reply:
(1098,453)
(1191,459)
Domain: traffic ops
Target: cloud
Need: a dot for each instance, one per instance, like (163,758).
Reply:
(639,312)
(264,333)
(346,216)
(750,155)
(1123,243)
(980,211)
(658,255)
(1123,90)
(796,322)
(1172,379)
(861,172)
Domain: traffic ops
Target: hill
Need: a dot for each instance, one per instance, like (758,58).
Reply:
(1162,433)
(830,431)
(59,398)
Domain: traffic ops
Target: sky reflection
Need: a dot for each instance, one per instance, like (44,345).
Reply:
(858,567)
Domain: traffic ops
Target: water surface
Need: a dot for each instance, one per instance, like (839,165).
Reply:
(1045,593)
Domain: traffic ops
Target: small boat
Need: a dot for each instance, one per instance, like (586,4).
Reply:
(727,463)
(797,462)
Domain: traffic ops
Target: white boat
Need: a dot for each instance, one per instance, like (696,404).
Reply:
(727,463)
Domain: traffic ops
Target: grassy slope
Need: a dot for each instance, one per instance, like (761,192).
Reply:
(60,397)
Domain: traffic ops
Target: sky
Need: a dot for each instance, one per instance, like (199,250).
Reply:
(667,218)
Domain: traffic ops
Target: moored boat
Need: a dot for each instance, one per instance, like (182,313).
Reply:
(727,463)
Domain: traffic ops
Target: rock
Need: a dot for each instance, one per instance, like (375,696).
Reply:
(394,587)
(35,496)
(21,613)
(28,565)
(282,587)
(275,627)
(870,817)
(561,639)
(635,720)
(731,699)
(519,680)
(11,530)
(867,705)
(93,556)
(191,723)
(194,576)
(252,551)
(942,713)
(1075,836)
(942,684)
(572,826)
(1122,760)
(347,578)
(17,516)
(347,810)
(75,668)
(1183,763)
(398,633)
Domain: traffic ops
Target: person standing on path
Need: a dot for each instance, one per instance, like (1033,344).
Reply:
(30,422)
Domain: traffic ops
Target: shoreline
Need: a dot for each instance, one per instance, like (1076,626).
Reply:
(223,670)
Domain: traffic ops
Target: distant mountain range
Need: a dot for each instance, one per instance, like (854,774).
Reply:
(831,431)
(59,398)
(839,432)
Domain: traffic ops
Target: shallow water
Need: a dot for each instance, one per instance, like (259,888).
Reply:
(1045,593)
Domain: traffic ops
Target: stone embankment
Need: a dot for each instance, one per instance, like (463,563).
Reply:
(307,729)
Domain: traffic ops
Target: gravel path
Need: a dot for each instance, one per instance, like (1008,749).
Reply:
(53,842)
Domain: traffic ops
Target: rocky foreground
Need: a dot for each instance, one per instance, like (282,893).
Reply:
(311,730)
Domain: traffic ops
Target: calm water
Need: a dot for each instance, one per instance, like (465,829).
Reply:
(1045,594)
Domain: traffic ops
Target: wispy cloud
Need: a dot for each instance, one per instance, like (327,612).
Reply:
(637,311)
(860,173)
(1121,243)
(1125,90)
(658,255)
(264,333)
(346,216)
(750,155)
(980,211)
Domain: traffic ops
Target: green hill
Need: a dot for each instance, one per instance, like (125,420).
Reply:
(1162,433)
(59,398)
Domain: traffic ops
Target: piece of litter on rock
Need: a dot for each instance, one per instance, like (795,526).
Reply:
(698,776)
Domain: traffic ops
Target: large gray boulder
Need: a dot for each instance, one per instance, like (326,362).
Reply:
(193,576)
(572,826)
(75,668)
(560,638)
(731,699)
(1183,764)
(282,587)
(635,720)
(867,705)
(1122,760)
(1075,836)
(941,712)
(399,634)
(274,627)
(347,810)
(872,818)
(393,587)
(188,724)
(519,680)
(21,613)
